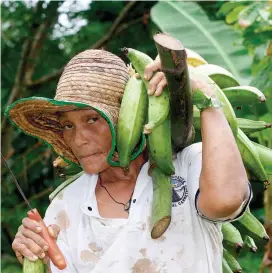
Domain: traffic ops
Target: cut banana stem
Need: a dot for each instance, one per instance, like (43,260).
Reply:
(265,155)
(226,267)
(222,77)
(249,225)
(162,202)
(197,75)
(131,119)
(251,157)
(232,262)
(244,95)
(173,64)
(249,242)
(158,106)
(159,143)
(33,267)
(232,237)
(251,126)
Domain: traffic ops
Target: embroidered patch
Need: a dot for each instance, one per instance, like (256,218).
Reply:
(180,191)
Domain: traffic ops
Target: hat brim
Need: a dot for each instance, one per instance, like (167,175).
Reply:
(37,117)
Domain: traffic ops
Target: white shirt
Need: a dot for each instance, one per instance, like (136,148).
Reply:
(92,244)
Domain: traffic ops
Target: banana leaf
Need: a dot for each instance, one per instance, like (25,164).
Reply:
(213,40)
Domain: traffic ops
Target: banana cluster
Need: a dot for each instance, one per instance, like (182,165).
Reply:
(157,125)
(257,158)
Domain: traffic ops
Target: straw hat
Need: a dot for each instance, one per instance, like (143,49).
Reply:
(93,78)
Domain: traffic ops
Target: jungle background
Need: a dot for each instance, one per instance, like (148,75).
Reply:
(39,38)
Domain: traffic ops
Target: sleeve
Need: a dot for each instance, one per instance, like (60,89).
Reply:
(52,217)
(193,158)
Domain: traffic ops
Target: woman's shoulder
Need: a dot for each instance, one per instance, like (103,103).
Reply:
(75,185)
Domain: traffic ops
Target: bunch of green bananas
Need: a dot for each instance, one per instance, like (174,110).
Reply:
(257,158)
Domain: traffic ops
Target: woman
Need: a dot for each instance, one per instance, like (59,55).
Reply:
(102,220)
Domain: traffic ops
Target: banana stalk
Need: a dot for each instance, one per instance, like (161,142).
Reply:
(131,119)
(162,202)
(173,64)
(33,267)
(251,157)
(244,95)
(158,106)
(232,262)
(222,77)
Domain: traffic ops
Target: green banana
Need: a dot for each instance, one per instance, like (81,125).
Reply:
(162,202)
(249,242)
(244,95)
(251,126)
(197,75)
(251,157)
(131,119)
(249,225)
(158,106)
(232,237)
(222,77)
(232,262)
(159,143)
(226,267)
(33,267)
(265,155)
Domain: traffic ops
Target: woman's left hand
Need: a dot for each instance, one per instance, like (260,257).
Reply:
(157,82)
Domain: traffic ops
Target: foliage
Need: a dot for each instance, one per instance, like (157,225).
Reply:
(204,36)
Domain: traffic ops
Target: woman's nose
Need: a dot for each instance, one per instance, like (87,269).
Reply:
(81,137)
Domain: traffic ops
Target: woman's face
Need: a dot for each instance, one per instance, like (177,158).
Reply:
(89,137)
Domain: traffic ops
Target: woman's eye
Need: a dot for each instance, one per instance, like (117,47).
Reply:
(67,126)
(92,120)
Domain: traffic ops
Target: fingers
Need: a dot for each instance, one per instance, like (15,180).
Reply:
(152,67)
(31,224)
(54,231)
(19,257)
(29,243)
(28,248)
(160,86)
(36,238)
(22,251)
(154,82)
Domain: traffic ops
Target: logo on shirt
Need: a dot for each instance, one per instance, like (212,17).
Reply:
(180,191)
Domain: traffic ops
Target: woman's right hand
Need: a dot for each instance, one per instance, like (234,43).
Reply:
(29,243)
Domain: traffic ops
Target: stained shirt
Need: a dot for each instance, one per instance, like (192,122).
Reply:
(93,244)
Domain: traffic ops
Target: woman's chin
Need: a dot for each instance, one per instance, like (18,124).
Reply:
(93,164)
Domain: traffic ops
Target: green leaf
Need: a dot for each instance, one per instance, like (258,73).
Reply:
(232,17)
(228,7)
(187,22)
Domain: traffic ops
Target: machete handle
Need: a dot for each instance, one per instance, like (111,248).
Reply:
(54,252)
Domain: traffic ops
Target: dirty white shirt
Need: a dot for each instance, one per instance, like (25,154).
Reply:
(93,244)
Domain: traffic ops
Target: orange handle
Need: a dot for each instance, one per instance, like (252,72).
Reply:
(54,252)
